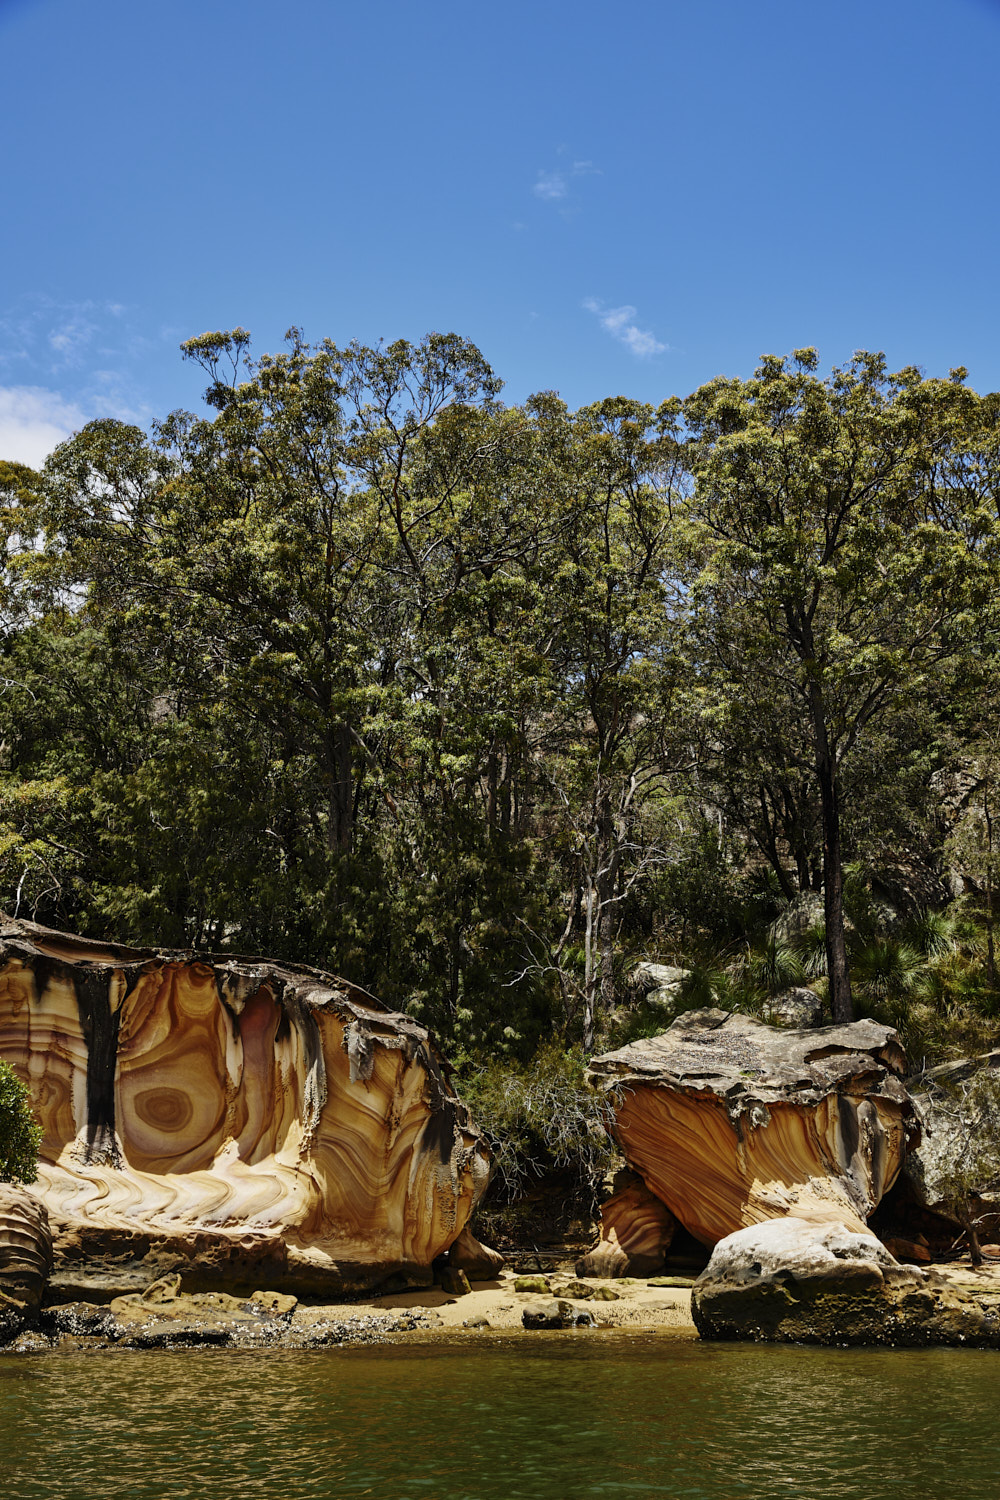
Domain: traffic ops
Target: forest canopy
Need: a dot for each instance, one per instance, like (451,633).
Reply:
(482,704)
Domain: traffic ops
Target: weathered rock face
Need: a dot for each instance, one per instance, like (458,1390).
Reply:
(271,1123)
(25,1256)
(636,1231)
(958,1106)
(792,1280)
(730,1122)
(478,1262)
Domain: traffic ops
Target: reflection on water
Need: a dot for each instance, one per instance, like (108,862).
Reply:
(560,1418)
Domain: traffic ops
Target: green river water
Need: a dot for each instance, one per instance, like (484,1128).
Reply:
(501,1418)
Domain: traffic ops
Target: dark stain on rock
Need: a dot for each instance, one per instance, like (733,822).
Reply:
(100,1032)
(847,1119)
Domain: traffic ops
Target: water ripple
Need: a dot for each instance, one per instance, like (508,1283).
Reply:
(560,1419)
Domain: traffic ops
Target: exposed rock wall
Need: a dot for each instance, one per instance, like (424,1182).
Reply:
(636,1231)
(958,1105)
(731,1122)
(248,1115)
(25,1248)
(792,1281)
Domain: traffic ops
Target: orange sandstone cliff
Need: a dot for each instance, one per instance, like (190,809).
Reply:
(730,1122)
(256,1122)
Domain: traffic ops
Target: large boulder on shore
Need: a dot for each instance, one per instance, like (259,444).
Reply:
(730,1122)
(792,1280)
(247,1122)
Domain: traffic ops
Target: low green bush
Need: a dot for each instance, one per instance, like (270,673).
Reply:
(20,1133)
(542,1122)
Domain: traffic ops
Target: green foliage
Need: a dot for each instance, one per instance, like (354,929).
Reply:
(835,577)
(539,1118)
(20,1133)
(478,704)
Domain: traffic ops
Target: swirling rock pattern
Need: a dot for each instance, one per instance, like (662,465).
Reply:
(479,1262)
(731,1122)
(25,1248)
(636,1232)
(264,1122)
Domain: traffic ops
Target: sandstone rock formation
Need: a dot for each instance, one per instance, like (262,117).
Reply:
(958,1106)
(264,1123)
(731,1122)
(25,1257)
(773,1147)
(636,1231)
(479,1262)
(659,985)
(798,1008)
(793,1280)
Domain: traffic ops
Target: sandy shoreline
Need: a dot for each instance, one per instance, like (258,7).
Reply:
(629,1306)
(637,1304)
(165,1317)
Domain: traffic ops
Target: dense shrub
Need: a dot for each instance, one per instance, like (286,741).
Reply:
(20,1133)
(544,1126)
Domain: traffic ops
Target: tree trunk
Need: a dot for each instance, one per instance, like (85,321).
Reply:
(607,879)
(492,779)
(341,774)
(964,1216)
(991,966)
(589,972)
(456,969)
(605,942)
(841,1002)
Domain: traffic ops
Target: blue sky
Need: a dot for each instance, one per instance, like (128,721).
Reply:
(606,200)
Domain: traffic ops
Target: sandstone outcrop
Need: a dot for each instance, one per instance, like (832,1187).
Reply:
(25,1257)
(773,1147)
(479,1262)
(636,1231)
(793,1280)
(958,1156)
(798,1008)
(660,986)
(730,1122)
(243,1121)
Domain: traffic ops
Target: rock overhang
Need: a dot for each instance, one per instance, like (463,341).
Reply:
(228,1108)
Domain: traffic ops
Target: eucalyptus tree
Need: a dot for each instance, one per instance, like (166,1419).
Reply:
(609,744)
(244,560)
(829,569)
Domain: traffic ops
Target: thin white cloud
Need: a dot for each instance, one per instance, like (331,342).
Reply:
(555,186)
(32,421)
(71,337)
(619,322)
(63,363)
(551,186)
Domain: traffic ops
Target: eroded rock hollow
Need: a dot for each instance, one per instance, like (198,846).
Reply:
(635,1233)
(773,1147)
(255,1120)
(731,1122)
